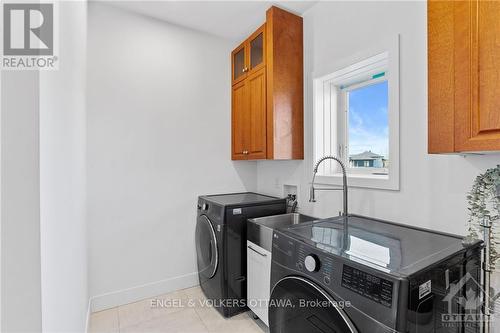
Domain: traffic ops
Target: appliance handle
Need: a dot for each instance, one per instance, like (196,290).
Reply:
(254,250)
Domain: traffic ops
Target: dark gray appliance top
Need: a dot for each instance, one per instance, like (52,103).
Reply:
(389,247)
(246,198)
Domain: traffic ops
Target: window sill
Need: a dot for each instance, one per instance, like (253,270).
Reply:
(380,182)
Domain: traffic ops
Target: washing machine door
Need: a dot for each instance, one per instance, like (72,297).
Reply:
(206,248)
(298,305)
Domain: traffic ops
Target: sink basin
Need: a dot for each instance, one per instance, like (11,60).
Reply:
(283,220)
(260,229)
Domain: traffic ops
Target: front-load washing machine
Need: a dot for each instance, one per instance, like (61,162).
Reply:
(221,245)
(374,277)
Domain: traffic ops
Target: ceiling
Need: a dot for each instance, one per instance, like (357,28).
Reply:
(233,20)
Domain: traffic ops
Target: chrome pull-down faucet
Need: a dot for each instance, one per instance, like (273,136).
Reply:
(312,197)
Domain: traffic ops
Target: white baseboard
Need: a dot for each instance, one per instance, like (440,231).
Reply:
(130,295)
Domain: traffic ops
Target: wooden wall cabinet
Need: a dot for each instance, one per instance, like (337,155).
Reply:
(464,76)
(267,91)
(249,98)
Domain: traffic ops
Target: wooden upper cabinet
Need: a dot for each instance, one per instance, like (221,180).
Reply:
(267,92)
(464,76)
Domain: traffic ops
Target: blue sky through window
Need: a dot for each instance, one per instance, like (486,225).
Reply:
(368,128)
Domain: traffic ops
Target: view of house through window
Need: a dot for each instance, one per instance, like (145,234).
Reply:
(367,123)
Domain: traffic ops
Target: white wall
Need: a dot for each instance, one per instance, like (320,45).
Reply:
(43,231)
(433,188)
(20,203)
(158,135)
(62,178)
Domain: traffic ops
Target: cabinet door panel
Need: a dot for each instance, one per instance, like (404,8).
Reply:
(257,114)
(489,66)
(441,82)
(240,122)
(256,50)
(239,63)
(477,75)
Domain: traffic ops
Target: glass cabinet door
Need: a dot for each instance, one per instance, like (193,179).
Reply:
(256,47)
(257,50)
(239,66)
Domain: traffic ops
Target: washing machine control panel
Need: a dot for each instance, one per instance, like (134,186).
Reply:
(367,285)
(311,264)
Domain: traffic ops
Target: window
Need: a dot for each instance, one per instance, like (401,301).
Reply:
(356,118)
(366,122)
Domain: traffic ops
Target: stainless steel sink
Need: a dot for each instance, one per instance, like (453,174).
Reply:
(283,220)
(260,229)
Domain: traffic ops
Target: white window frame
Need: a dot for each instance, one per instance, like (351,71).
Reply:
(328,121)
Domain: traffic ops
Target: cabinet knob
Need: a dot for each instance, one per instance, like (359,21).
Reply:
(245,152)
(244,70)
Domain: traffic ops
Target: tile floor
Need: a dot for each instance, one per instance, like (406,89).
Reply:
(191,317)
